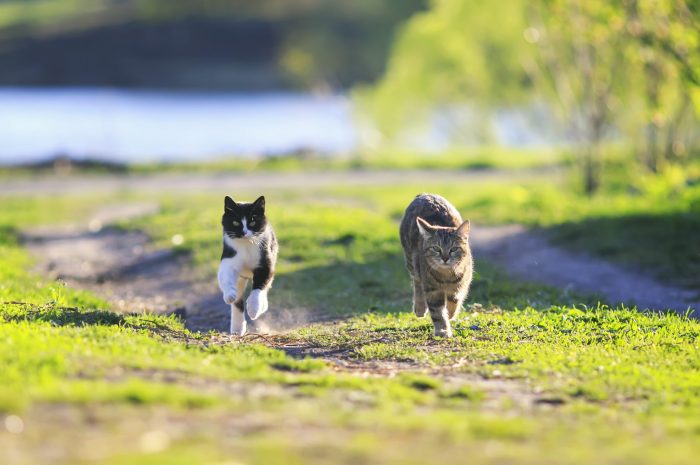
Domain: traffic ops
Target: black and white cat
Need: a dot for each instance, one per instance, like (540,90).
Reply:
(250,252)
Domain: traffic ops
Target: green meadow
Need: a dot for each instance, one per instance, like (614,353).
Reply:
(346,374)
(533,375)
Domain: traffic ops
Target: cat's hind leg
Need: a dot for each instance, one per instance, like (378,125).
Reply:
(420,305)
(238,323)
(454,305)
(257,304)
(438,313)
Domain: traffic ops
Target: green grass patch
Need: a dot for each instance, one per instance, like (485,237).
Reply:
(476,158)
(533,372)
(652,225)
(599,354)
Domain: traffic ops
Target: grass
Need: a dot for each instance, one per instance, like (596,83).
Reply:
(478,158)
(597,354)
(340,245)
(534,375)
(652,225)
(655,227)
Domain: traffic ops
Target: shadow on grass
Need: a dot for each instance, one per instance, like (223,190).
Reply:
(59,316)
(8,234)
(666,245)
(347,288)
(56,315)
(383,285)
(312,294)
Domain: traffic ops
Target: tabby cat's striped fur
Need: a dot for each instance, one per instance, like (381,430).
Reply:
(436,245)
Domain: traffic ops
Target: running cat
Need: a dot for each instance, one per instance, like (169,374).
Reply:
(250,252)
(436,245)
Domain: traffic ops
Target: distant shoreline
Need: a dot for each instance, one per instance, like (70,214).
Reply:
(128,126)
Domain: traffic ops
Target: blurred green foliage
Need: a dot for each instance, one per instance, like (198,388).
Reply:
(626,70)
(314,43)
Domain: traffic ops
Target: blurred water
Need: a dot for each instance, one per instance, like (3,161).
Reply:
(130,125)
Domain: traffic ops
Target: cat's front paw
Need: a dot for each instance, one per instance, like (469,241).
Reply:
(256,304)
(230,296)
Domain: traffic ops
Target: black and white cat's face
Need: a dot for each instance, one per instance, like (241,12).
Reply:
(244,220)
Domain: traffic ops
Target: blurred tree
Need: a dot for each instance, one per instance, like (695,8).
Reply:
(666,36)
(458,52)
(580,63)
(198,43)
(610,68)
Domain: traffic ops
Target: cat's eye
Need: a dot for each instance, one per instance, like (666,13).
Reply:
(435,249)
(235,223)
(454,250)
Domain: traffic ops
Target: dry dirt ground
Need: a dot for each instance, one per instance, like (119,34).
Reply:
(125,268)
(528,255)
(208,182)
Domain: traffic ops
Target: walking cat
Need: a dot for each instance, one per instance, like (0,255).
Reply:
(250,252)
(435,241)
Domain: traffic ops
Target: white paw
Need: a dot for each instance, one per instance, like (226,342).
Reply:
(230,296)
(238,323)
(256,304)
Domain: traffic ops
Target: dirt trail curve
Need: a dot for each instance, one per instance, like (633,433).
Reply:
(528,255)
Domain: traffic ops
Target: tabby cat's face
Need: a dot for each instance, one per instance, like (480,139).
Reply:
(244,220)
(445,248)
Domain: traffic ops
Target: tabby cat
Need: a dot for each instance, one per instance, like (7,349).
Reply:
(250,252)
(436,245)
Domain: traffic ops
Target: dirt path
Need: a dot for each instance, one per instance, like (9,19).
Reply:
(125,268)
(528,255)
(228,182)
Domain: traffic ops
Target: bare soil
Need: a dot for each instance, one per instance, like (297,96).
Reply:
(528,255)
(125,268)
(228,182)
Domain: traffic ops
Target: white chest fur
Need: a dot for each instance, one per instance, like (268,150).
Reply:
(247,256)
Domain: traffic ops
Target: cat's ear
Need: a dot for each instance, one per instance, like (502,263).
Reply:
(260,203)
(463,230)
(425,229)
(229,204)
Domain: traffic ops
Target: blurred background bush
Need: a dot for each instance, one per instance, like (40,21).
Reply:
(198,44)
